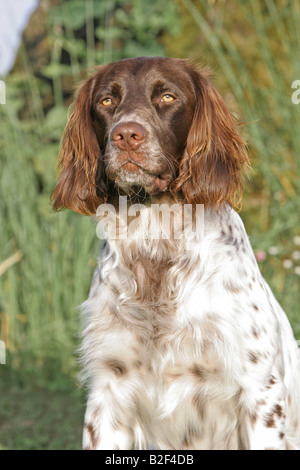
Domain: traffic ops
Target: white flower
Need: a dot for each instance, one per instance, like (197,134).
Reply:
(287,263)
(296,240)
(273,250)
(296,255)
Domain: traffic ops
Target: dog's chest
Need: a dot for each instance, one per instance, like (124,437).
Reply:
(183,373)
(181,350)
(185,399)
(168,303)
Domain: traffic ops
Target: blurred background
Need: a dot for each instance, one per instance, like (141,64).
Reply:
(47,259)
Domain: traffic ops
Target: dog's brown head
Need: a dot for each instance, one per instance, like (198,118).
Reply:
(154,125)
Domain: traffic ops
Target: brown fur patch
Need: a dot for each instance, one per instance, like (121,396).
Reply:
(253,357)
(149,279)
(96,413)
(92,435)
(117,366)
(269,420)
(272,380)
(233,289)
(277,411)
(198,372)
(253,418)
(255,332)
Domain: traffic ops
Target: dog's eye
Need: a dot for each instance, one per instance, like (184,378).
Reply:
(106,102)
(167,98)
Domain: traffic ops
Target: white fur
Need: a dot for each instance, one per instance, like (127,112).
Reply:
(208,362)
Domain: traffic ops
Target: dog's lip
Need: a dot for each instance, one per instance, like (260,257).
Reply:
(132,166)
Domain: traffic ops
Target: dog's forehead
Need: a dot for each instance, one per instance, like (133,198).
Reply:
(144,69)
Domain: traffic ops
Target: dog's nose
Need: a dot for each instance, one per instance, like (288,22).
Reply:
(128,135)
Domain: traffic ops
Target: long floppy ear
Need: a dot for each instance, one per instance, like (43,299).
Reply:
(215,159)
(80,163)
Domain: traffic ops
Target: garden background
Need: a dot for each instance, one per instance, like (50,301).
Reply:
(47,259)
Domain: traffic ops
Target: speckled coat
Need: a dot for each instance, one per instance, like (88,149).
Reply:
(188,349)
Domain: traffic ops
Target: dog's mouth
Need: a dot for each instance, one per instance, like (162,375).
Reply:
(161,182)
(132,173)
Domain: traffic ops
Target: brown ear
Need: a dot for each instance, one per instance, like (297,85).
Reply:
(212,167)
(80,162)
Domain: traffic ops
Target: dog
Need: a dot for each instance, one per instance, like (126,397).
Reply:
(183,343)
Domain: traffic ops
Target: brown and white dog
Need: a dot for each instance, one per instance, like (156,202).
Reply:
(184,345)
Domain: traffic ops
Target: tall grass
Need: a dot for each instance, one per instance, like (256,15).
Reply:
(40,292)
(52,254)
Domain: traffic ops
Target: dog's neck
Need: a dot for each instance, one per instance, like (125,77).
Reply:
(154,225)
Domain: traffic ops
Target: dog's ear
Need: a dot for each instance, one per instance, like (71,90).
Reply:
(215,158)
(80,185)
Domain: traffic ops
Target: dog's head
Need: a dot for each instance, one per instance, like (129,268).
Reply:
(150,125)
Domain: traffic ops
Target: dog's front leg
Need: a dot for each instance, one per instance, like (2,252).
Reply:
(110,416)
(115,383)
(112,357)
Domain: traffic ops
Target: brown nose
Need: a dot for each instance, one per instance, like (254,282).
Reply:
(128,135)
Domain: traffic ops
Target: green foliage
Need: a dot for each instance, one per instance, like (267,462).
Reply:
(32,418)
(122,28)
(38,294)
(140,28)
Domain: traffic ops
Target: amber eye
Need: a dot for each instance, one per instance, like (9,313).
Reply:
(106,102)
(167,98)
